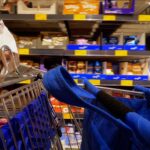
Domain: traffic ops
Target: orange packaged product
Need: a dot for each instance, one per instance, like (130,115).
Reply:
(90,7)
(71,1)
(71,8)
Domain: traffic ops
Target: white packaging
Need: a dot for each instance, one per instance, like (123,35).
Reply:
(6,38)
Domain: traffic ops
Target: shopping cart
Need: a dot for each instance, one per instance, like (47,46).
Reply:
(19,131)
(31,122)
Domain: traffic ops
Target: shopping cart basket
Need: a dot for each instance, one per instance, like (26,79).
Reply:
(31,121)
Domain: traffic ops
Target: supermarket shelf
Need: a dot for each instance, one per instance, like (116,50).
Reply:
(100,54)
(32,17)
(114,83)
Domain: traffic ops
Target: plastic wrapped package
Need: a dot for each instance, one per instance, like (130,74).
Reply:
(28,42)
(49,41)
(9,57)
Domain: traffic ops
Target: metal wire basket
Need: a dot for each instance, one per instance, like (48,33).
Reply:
(44,130)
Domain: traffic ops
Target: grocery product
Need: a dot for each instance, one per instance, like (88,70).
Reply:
(81,7)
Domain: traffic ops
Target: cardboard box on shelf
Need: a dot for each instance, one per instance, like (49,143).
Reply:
(38,7)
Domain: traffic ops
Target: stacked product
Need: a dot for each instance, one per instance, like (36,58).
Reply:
(27,42)
(36,65)
(53,41)
(133,70)
(126,41)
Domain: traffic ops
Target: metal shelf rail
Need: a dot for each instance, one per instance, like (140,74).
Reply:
(78,17)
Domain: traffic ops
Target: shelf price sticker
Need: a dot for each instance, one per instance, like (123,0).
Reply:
(79,17)
(109,18)
(40,17)
(80,53)
(24,51)
(76,81)
(95,82)
(126,83)
(144,18)
(67,116)
(121,53)
(25,82)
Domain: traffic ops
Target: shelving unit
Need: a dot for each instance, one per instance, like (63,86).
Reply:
(78,17)
(116,83)
(78,25)
(90,53)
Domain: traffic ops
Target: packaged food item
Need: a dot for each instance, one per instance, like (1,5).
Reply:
(119,6)
(72,66)
(81,7)
(108,68)
(53,41)
(98,67)
(27,42)
(90,67)
(90,7)
(71,7)
(81,67)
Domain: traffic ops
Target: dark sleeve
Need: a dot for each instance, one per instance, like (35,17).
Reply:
(115,107)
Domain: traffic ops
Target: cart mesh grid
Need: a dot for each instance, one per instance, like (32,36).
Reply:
(33,124)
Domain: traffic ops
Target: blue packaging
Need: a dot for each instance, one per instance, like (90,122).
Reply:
(111,77)
(82,47)
(112,47)
(135,47)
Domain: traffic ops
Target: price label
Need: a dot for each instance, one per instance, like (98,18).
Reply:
(121,53)
(24,51)
(79,17)
(80,52)
(126,83)
(76,81)
(109,18)
(25,82)
(95,82)
(67,116)
(144,18)
(40,17)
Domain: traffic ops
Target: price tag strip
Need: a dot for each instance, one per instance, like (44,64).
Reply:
(40,17)
(95,82)
(79,17)
(144,18)
(80,53)
(121,53)
(109,18)
(126,83)
(24,51)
